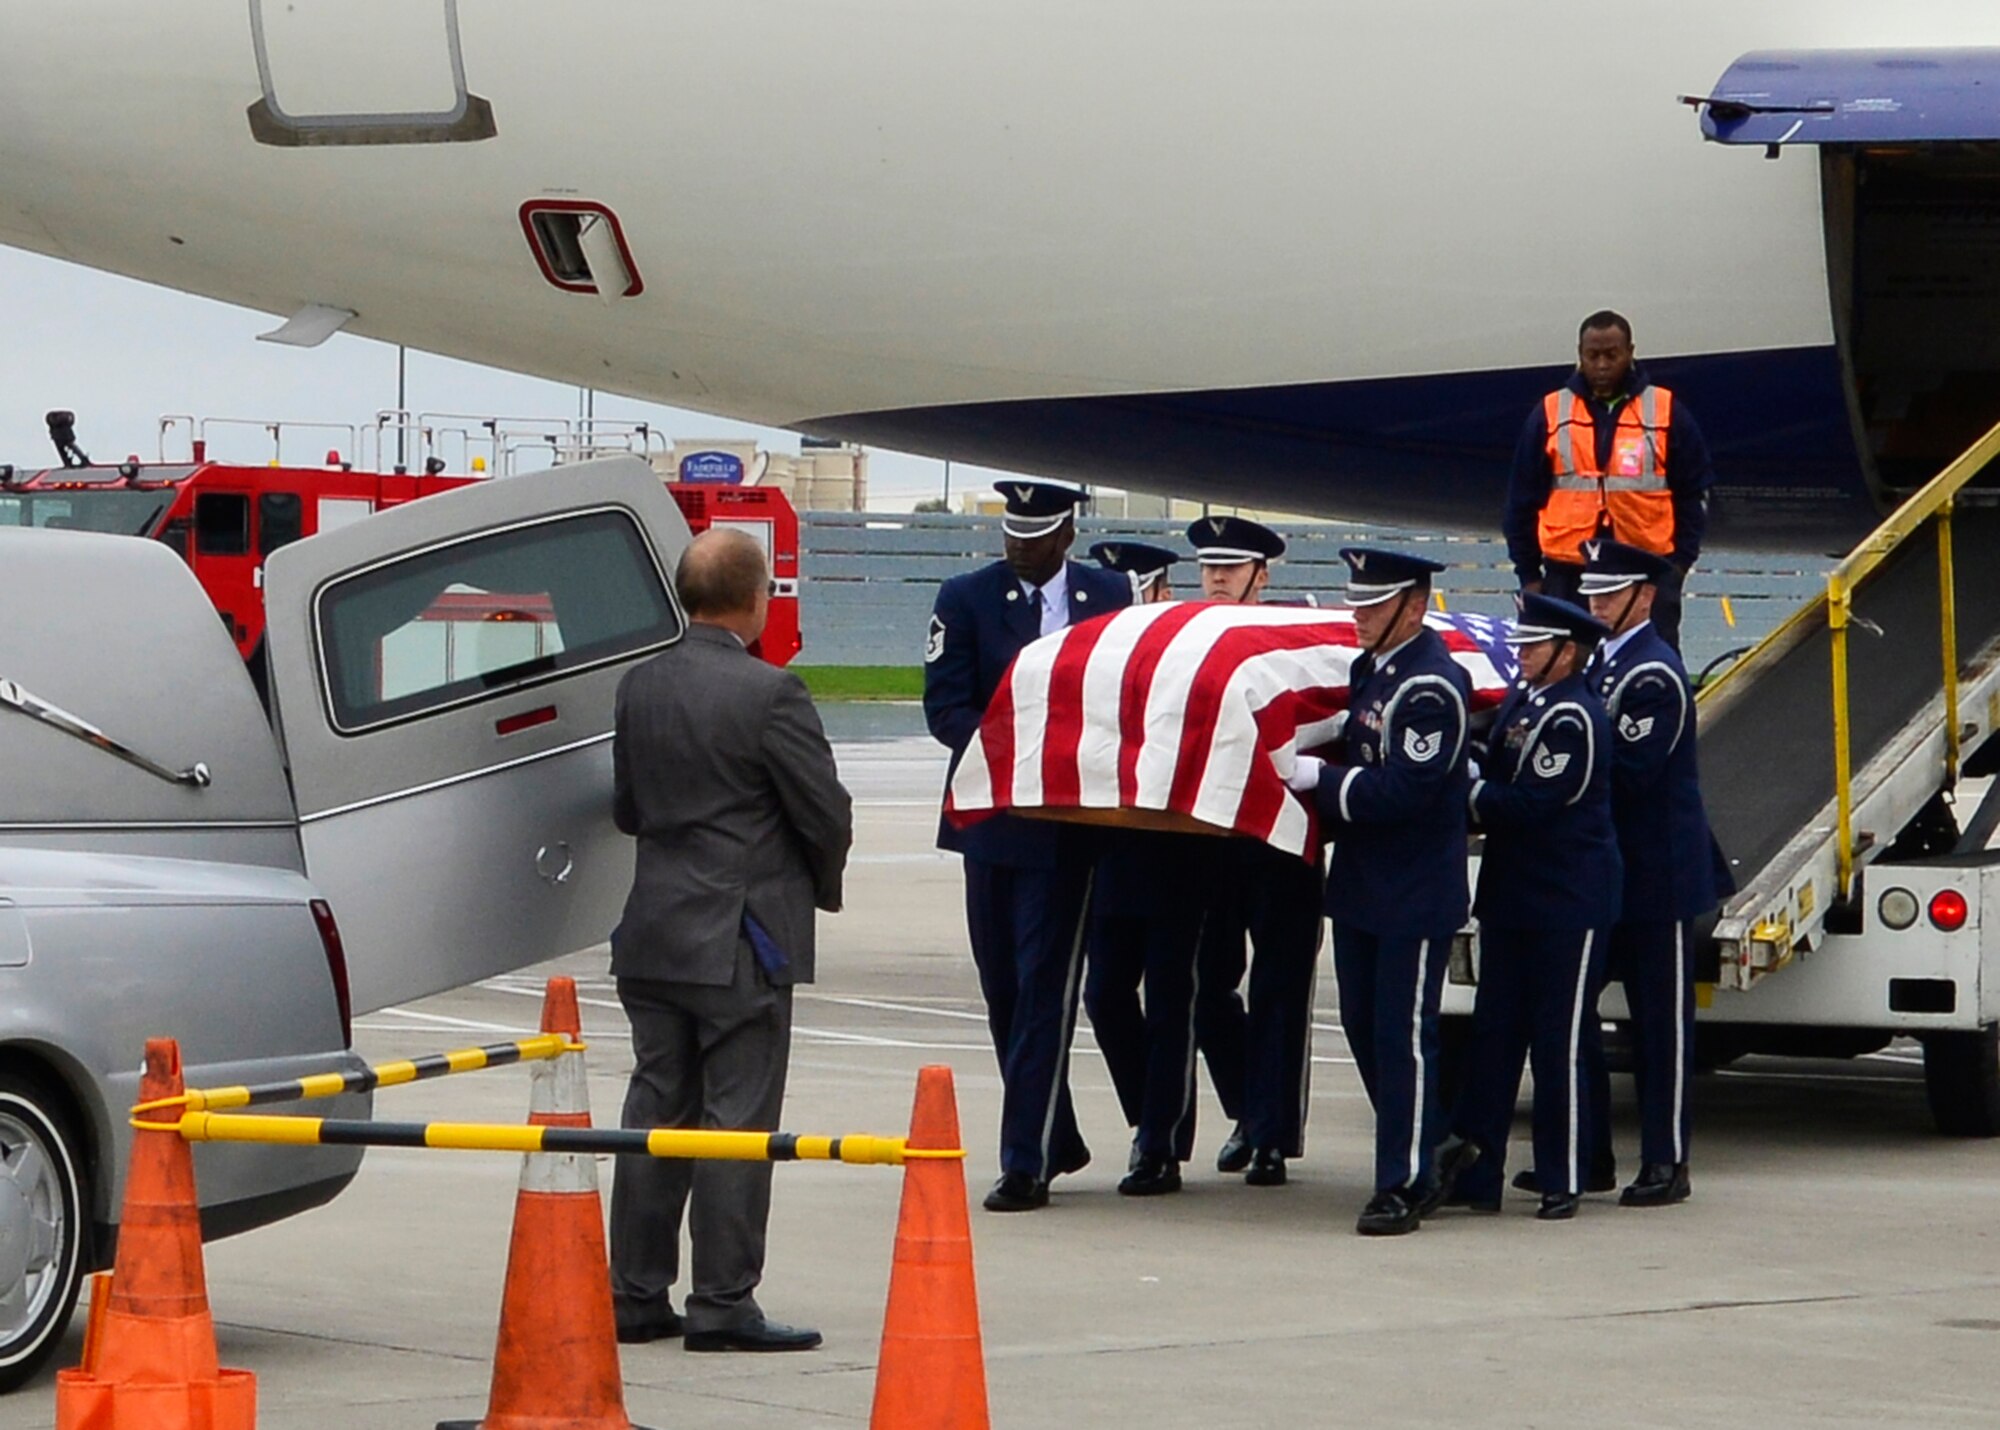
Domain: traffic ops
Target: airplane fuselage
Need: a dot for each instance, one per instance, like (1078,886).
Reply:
(1324,255)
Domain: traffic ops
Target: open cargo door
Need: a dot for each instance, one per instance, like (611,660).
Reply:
(1909,152)
(443,677)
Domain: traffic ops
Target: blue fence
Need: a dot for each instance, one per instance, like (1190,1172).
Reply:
(869,579)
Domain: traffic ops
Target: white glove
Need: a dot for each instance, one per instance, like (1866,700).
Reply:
(1305,773)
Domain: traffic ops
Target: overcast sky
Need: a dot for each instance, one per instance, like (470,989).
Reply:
(122,354)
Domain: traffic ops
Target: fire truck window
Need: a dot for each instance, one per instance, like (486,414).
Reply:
(221,524)
(455,624)
(281,520)
(175,535)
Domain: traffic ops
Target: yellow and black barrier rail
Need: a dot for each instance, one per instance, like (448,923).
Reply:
(699,1144)
(394,1074)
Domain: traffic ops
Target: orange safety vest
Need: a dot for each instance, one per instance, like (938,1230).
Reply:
(1631,501)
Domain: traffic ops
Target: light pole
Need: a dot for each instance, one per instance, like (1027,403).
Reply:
(402,409)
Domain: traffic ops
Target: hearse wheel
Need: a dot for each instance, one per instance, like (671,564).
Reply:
(42,1226)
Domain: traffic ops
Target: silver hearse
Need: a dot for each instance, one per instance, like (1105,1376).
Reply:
(420,798)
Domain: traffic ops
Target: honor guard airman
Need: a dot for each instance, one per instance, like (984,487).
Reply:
(1549,889)
(1146,918)
(1027,881)
(1274,898)
(1671,876)
(1395,808)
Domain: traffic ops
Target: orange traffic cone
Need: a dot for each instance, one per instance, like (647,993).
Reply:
(150,1361)
(556,1366)
(932,1374)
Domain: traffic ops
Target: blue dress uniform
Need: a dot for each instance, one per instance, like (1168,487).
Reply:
(1395,809)
(1670,876)
(1026,881)
(1146,917)
(1148,909)
(1549,892)
(1259,1052)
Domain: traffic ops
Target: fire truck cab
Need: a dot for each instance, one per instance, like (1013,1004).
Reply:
(224,519)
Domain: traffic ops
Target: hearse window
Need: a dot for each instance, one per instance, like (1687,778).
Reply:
(222,524)
(460,622)
(281,520)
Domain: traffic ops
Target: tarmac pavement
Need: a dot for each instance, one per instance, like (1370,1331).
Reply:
(1838,1265)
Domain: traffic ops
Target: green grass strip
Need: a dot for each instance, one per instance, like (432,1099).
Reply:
(862,682)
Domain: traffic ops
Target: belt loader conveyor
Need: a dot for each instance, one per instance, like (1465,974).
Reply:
(1767,741)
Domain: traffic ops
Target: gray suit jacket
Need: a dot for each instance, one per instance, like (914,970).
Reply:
(724,774)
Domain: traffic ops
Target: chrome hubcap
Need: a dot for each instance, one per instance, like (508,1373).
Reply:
(33,1232)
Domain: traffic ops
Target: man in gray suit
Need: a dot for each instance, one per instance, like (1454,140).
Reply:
(724,774)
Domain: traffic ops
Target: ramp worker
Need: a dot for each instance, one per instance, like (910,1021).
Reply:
(1549,889)
(1147,910)
(1259,1056)
(723,771)
(1608,454)
(1395,809)
(1027,881)
(1670,873)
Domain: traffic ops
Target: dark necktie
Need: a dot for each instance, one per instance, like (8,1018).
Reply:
(1035,608)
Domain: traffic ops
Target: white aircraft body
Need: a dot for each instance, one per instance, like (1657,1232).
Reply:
(1317,253)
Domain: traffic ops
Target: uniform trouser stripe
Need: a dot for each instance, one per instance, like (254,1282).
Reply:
(1072,987)
(1194,1001)
(1680,1040)
(1417,1061)
(1306,1049)
(1574,1170)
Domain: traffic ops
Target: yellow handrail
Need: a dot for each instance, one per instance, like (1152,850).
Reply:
(1909,518)
(1935,499)
(1862,561)
(1948,643)
(1839,606)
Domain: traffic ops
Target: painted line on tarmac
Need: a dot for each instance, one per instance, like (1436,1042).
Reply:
(440,1020)
(888,1007)
(828,1035)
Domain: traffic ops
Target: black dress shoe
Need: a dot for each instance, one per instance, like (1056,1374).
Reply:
(1152,1177)
(1660,1184)
(1266,1169)
(1392,1213)
(1134,1158)
(1455,1157)
(1235,1153)
(638,1323)
(1485,1206)
(1077,1162)
(1528,1180)
(1017,1192)
(759,1335)
(1558,1206)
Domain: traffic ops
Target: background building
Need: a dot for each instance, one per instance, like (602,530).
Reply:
(821,476)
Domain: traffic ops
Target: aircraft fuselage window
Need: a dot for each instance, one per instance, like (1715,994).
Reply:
(472,620)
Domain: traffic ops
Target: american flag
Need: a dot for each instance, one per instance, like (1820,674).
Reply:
(1185,709)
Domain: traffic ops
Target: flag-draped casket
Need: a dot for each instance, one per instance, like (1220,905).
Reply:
(1187,710)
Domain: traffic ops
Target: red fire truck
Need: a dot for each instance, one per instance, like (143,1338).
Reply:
(225,518)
